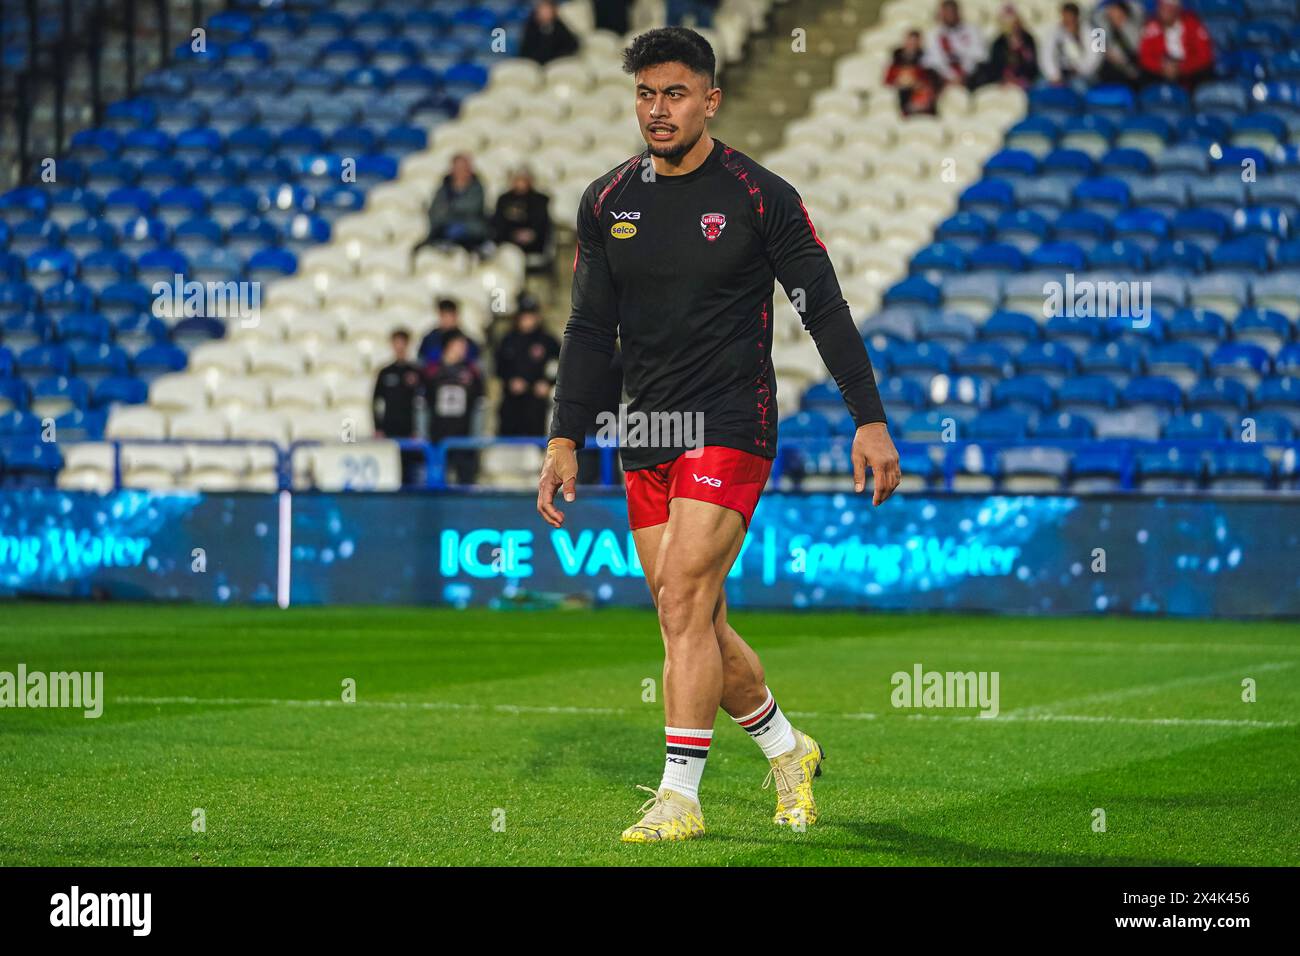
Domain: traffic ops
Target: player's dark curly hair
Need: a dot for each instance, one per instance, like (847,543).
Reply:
(670,45)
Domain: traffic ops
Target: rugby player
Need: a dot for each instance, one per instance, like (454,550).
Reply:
(678,248)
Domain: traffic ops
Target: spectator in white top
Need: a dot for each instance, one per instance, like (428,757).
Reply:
(954,48)
(1068,55)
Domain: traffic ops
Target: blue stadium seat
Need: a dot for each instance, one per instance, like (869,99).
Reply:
(1097,470)
(1052,361)
(984,358)
(1002,424)
(1239,469)
(1181,362)
(1153,392)
(1199,426)
(1117,361)
(1025,393)
(1011,329)
(964,230)
(14,394)
(1168,469)
(1263,327)
(1225,396)
(57,394)
(85,328)
(938,258)
(1064,427)
(158,360)
(31,464)
(1243,361)
(128,391)
(1180,255)
(1200,225)
(952,330)
(804,425)
(1102,194)
(1280,394)
(929,426)
(1086,394)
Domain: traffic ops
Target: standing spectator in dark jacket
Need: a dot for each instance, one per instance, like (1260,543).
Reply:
(458,213)
(1123,35)
(525,362)
(523,217)
(399,391)
(448,322)
(454,391)
(1175,47)
(917,85)
(1013,57)
(546,38)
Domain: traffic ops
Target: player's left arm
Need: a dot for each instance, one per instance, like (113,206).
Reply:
(804,270)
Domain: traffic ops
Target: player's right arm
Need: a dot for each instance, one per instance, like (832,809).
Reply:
(589,340)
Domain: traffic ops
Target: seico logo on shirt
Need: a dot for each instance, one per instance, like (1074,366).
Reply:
(622,230)
(712,224)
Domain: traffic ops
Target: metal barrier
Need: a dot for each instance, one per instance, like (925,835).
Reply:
(793,461)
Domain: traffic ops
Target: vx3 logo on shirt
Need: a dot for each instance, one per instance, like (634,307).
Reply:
(626,215)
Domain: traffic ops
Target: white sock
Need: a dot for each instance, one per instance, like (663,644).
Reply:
(684,763)
(769,728)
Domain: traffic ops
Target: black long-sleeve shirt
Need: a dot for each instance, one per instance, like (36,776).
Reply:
(681,269)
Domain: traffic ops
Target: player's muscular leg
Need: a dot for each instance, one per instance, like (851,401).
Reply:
(699,545)
(743,687)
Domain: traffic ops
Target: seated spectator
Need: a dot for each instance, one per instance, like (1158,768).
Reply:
(546,38)
(458,213)
(524,362)
(454,391)
(917,85)
(1014,56)
(1175,46)
(1069,56)
(448,323)
(701,11)
(523,217)
(1123,33)
(399,395)
(954,48)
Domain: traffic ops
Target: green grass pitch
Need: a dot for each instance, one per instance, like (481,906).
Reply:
(516,737)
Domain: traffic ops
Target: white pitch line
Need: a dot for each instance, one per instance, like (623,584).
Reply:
(1010,717)
(1141,690)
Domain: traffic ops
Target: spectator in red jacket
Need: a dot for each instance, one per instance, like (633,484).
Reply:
(1175,46)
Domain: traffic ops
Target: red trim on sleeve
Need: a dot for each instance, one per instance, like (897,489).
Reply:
(811,227)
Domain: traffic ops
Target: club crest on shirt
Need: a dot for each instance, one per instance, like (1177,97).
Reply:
(712,224)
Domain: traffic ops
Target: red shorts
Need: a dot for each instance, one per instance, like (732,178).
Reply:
(725,476)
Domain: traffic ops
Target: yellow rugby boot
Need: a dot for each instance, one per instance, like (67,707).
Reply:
(793,773)
(668,816)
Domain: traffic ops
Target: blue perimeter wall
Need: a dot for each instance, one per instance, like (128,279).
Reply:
(1195,556)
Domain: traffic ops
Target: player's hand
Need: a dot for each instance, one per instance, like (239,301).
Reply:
(559,470)
(872,447)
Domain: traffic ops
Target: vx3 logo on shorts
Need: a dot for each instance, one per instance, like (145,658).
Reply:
(706,480)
